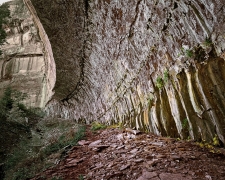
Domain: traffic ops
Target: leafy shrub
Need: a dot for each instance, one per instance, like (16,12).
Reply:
(13,109)
(4,14)
(6,103)
(11,99)
(14,127)
(63,142)
(30,156)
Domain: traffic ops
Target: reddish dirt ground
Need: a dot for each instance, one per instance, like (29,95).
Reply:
(129,155)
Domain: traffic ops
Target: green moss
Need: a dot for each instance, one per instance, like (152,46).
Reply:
(189,53)
(185,123)
(159,82)
(166,76)
(216,141)
(97,126)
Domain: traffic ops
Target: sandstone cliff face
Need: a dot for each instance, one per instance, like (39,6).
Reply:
(154,65)
(23,65)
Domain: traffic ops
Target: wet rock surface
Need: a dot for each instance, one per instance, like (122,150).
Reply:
(119,154)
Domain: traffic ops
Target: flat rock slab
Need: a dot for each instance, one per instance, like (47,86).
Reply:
(95,143)
(168,176)
(149,176)
(84,142)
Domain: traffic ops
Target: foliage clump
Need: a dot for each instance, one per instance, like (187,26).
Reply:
(207,42)
(13,109)
(50,140)
(185,123)
(63,141)
(16,123)
(166,76)
(189,53)
(159,82)
(216,141)
(4,14)
(97,126)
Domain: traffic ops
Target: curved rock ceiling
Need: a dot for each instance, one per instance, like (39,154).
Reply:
(157,65)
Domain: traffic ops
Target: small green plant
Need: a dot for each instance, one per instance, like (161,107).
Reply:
(119,125)
(186,52)
(150,99)
(189,53)
(97,126)
(216,140)
(81,177)
(159,82)
(79,135)
(185,123)
(166,76)
(207,42)
(209,146)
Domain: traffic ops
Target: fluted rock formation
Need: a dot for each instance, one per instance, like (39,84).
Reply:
(154,65)
(24,63)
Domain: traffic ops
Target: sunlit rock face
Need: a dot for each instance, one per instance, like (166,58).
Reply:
(24,63)
(156,65)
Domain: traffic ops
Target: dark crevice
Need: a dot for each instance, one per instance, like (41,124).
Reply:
(131,31)
(86,6)
(175,6)
(80,90)
(25,55)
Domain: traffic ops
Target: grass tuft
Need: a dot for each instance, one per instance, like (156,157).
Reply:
(97,126)
(81,177)
(64,142)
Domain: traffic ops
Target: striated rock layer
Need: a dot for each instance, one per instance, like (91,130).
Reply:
(24,65)
(154,65)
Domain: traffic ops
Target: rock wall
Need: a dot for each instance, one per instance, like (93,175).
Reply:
(154,65)
(24,63)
